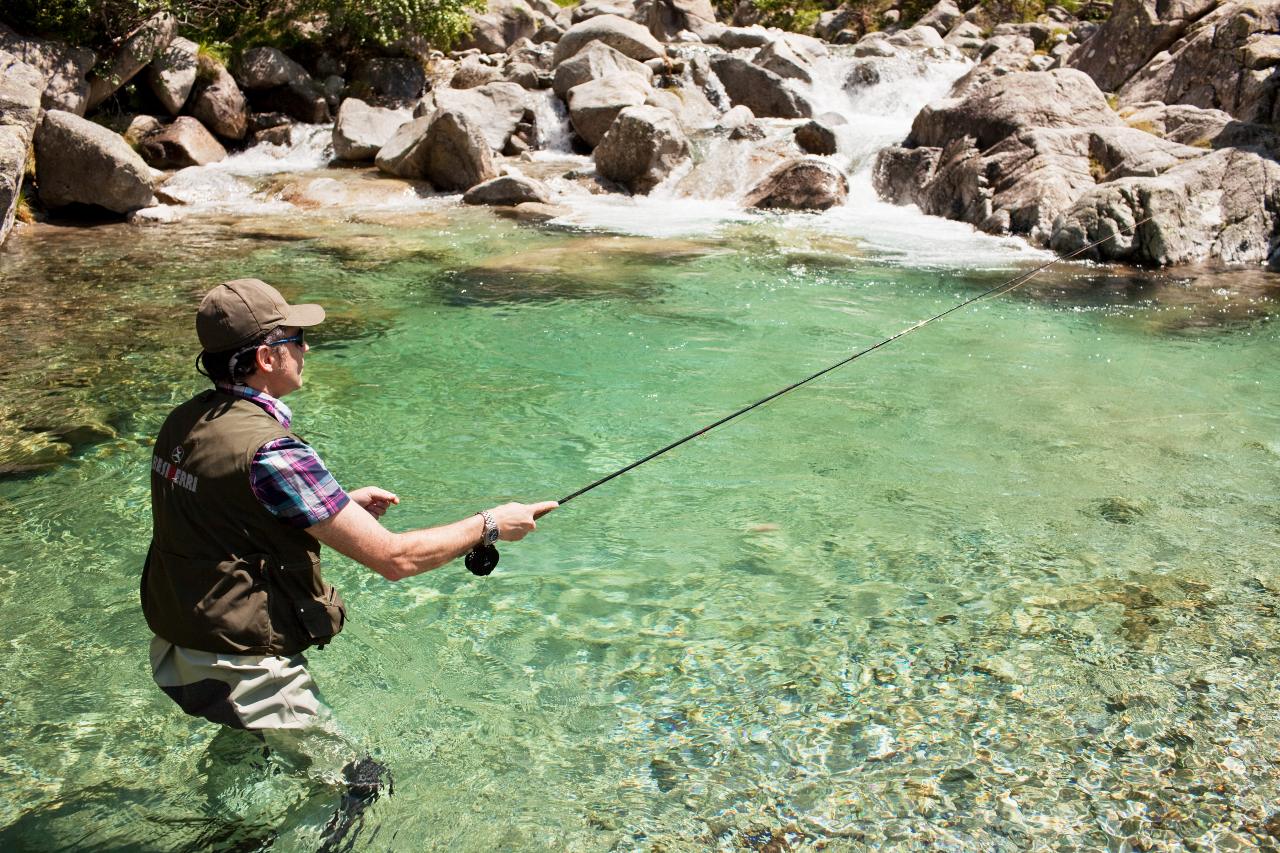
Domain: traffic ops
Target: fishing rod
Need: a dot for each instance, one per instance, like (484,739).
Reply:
(483,558)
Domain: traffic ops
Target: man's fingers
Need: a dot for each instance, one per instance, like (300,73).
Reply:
(541,509)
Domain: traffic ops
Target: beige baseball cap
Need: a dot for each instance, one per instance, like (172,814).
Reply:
(237,312)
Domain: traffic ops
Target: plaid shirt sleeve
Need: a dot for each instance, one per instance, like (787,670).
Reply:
(289,479)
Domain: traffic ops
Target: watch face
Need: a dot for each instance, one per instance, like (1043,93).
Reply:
(491,535)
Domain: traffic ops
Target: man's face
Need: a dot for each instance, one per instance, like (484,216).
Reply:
(286,361)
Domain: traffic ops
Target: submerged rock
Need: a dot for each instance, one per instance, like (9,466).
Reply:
(804,184)
(80,162)
(508,190)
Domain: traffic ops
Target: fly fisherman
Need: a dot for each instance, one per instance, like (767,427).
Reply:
(240,507)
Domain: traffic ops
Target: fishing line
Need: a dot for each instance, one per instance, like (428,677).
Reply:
(998,290)
(484,558)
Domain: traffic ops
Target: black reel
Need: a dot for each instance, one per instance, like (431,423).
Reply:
(481,560)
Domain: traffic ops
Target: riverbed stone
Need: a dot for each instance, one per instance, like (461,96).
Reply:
(641,149)
(172,74)
(626,37)
(1226,60)
(802,184)
(185,142)
(1136,31)
(1223,206)
(508,190)
(217,100)
(136,53)
(495,108)
(815,137)
(65,69)
(80,162)
(763,92)
(361,130)
(594,61)
(595,104)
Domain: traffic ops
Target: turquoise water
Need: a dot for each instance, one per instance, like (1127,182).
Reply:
(1007,583)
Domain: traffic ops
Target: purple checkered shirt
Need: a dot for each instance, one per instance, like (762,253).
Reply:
(287,475)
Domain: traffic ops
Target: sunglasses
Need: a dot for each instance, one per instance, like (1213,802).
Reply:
(296,339)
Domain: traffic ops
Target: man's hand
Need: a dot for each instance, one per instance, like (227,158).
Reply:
(516,521)
(374,500)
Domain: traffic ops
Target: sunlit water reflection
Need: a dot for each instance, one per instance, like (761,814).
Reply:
(1008,582)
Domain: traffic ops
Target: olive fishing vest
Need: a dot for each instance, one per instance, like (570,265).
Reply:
(224,574)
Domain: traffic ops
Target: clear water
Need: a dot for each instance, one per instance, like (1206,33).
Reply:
(1008,583)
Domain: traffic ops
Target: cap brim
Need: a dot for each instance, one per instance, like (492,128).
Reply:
(303,315)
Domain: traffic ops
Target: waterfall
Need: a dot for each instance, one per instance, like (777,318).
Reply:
(551,122)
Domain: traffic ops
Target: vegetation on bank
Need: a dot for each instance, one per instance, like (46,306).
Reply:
(347,24)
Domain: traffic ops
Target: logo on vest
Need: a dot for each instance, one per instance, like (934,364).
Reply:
(174,474)
(176,455)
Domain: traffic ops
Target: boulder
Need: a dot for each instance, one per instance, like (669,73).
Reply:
(303,100)
(1199,127)
(999,55)
(501,24)
(1037,32)
(1224,206)
(508,190)
(596,8)
(942,17)
(362,130)
(668,18)
(532,211)
(139,128)
(802,184)
(183,143)
(1136,31)
(918,39)
(814,137)
(763,92)
(595,104)
(524,75)
(80,162)
(139,49)
(474,72)
(21,90)
(267,68)
(64,69)
(446,149)
(172,74)
(642,147)
(217,101)
(494,108)
(538,55)
(778,57)
(732,38)
(391,81)
(594,61)
(1226,60)
(626,37)
(966,37)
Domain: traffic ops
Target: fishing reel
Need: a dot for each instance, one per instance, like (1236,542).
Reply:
(481,560)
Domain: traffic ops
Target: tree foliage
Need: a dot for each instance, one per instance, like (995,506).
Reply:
(244,23)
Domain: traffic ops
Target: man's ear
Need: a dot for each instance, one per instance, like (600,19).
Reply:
(262,357)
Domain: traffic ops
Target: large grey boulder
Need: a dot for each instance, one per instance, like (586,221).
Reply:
(626,37)
(761,91)
(496,109)
(594,61)
(183,143)
(1200,127)
(595,104)
(508,190)
(217,101)
(1224,206)
(803,184)
(446,149)
(942,17)
(473,72)
(276,83)
(172,74)
(998,56)
(667,18)
(779,57)
(390,80)
(1226,60)
(139,49)
(79,162)
(596,8)
(266,68)
(21,90)
(361,130)
(733,38)
(65,69)
(642,147)
(1136,31)
(500,24)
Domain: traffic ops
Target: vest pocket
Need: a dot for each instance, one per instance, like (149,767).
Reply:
(305,611)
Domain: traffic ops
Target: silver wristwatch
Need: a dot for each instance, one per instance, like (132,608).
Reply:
(490,534)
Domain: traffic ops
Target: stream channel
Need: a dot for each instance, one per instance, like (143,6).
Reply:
(1009,583)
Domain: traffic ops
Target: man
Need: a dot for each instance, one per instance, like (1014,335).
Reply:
(240,507)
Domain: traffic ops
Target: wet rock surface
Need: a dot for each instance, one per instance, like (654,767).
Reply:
(642,147)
